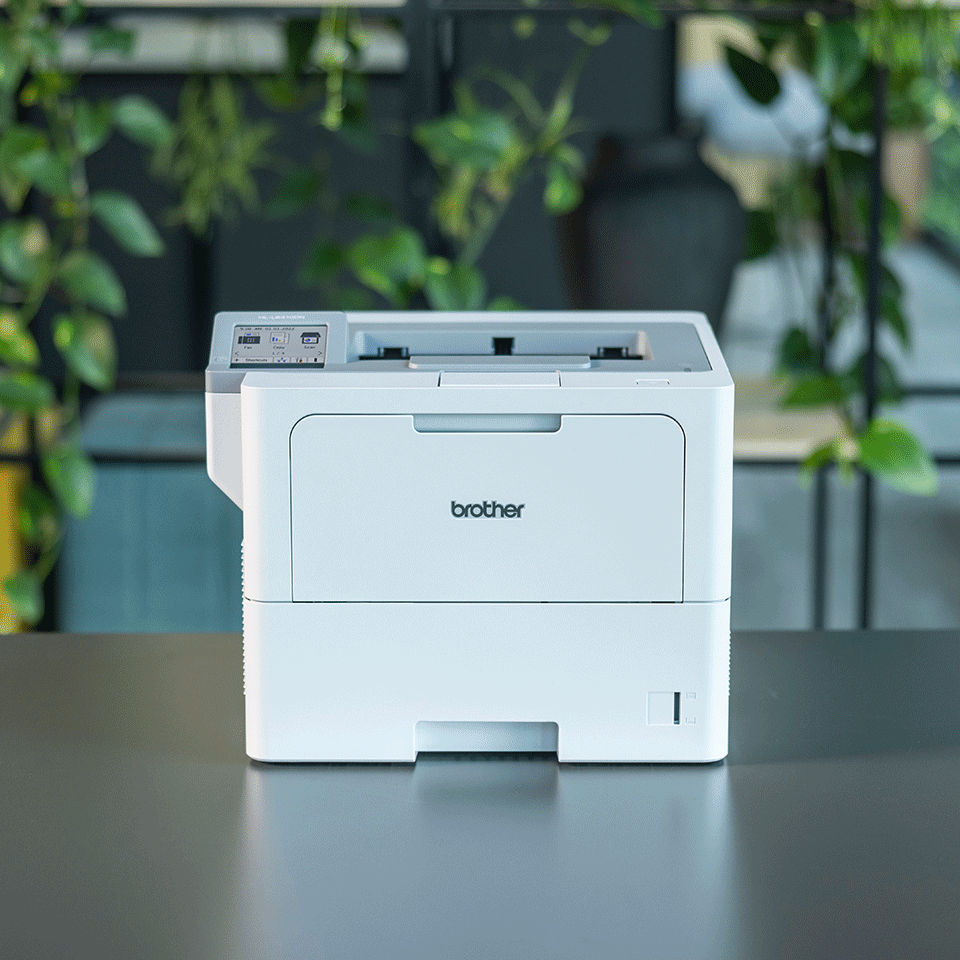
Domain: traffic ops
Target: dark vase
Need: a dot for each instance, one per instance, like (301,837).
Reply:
(657,230)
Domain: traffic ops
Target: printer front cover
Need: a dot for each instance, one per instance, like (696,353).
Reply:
(588,509)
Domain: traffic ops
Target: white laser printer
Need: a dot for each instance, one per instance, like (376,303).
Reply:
(478,532)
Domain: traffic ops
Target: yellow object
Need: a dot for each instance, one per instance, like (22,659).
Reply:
(702,39)
(12,481)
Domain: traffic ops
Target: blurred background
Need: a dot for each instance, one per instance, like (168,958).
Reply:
(791,170)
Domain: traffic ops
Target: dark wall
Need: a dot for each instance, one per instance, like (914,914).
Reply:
(254,261)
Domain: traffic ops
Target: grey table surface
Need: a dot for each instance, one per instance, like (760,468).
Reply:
(133,826)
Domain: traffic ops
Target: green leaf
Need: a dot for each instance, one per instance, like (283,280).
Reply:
(37,518)
(818,457)
(891,282)
(87,344)
(891,219)
(353,298)
(43,42)
(888,389)
(47,171)
(17,346)
(838,60)
(571,158)
(73,11)
(90,280)
(391,264)
(92,125)
(297,192)
(112,40)
(368,206)
(524,26)
(818,390)
(323,262)
(479,140)
(20,350)
(562,192)
(280,92)
(71,476)
(126,222)
(762,234)
(357,133)
(142,121)
(854,164)
(454,286)
(25,392)
(20,141)
(757,79)
(894,455)
(24,245)
(559,116)
(22,148)
(891,312)
(855,109)
(858,268)
(519,92)
(797,354)
(13,61)
(26,594)
(891,296)
(593,36)
(891,304)
(504,303)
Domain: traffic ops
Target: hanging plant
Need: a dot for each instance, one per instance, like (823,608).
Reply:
(48,273)
(213,154)
(482,155)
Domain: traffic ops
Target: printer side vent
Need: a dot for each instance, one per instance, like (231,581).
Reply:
(728,664)
(243,616)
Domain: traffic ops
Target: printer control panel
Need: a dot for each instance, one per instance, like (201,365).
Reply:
(271,345)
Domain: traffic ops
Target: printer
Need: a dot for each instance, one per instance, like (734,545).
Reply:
(484,532)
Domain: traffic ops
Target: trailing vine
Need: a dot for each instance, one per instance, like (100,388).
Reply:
(482,154)
(48,273)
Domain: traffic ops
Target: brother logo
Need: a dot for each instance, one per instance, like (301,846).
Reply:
(489,508)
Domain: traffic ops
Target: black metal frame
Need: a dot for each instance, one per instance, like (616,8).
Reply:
(430,27)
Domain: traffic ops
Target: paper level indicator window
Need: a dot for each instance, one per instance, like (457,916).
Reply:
(663,708)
